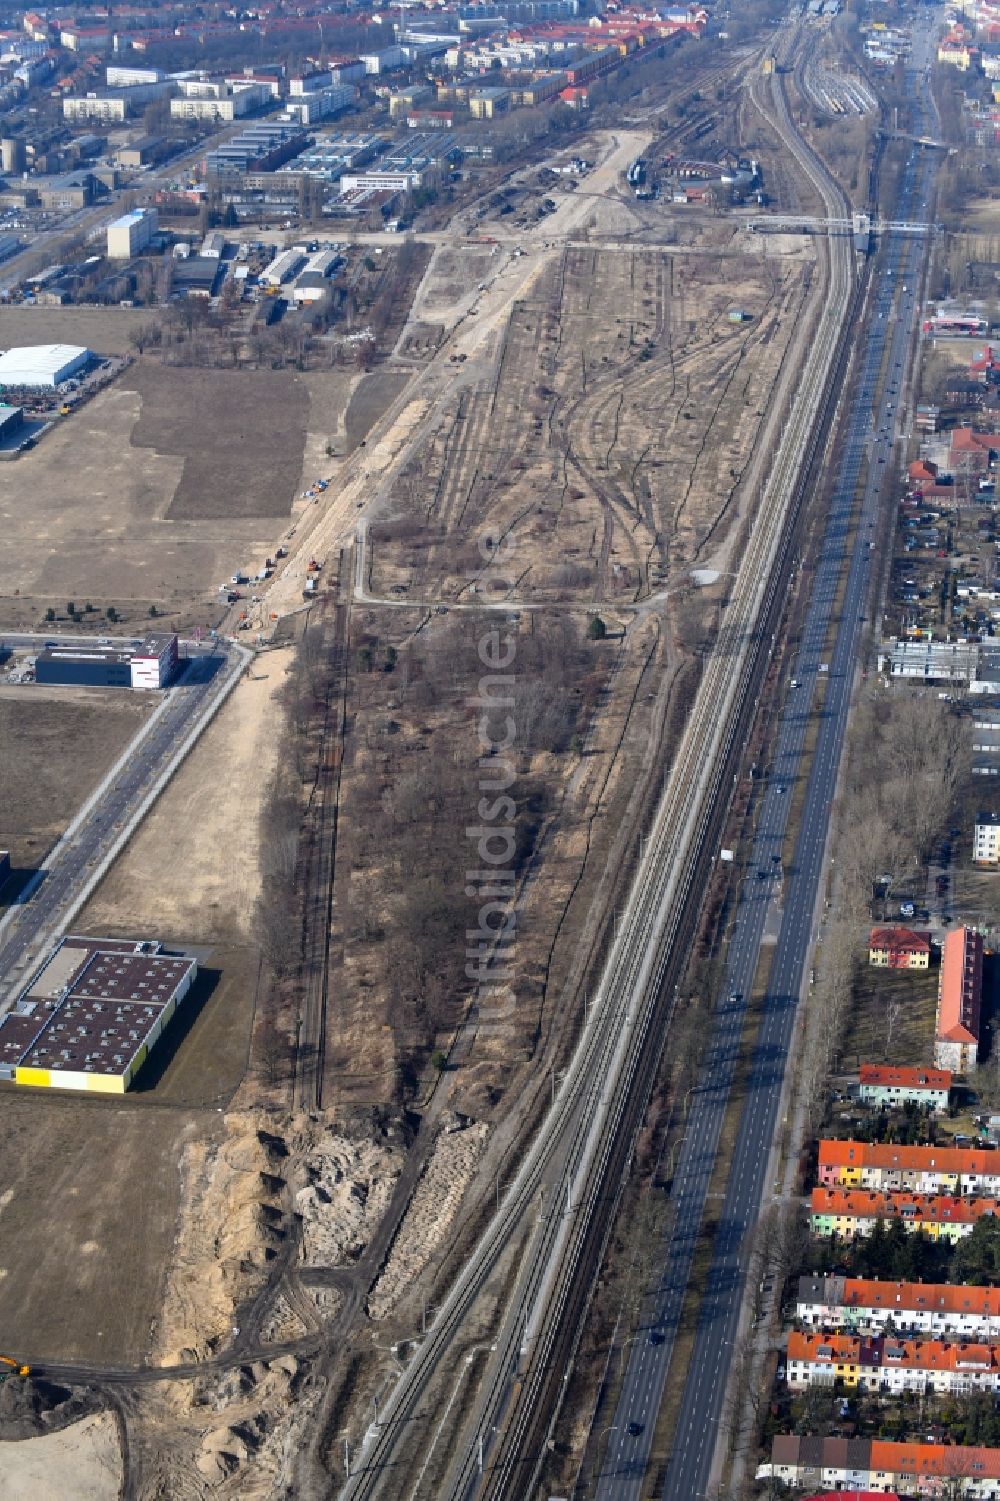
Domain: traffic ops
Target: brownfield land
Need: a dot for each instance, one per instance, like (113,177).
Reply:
(597,408)
(161,487)
(89,1213)
(606,443)
(95,1185)
(55,746)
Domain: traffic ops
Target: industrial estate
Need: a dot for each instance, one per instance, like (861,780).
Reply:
(499,712)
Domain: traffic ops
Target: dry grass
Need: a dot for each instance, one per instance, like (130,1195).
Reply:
(55,746)
(913,1035)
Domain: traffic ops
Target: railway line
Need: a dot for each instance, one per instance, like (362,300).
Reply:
(578,1153)
(320,862)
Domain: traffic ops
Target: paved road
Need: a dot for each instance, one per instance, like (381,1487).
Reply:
(785,896)
(72,868)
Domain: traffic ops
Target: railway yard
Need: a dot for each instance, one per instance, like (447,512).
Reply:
(351,1224)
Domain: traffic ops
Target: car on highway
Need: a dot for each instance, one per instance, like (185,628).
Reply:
(635,1429)
(656,1337)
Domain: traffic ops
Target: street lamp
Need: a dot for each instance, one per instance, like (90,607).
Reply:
(611,1428)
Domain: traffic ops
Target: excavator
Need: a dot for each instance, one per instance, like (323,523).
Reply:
(9,1367)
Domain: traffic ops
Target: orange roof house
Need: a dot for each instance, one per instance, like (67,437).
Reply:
(924,1169)
(899,1364)
(893,1085)
(922,471)
(898,948)
(850,1212)
(971,451)
(919,1469)
(960,995)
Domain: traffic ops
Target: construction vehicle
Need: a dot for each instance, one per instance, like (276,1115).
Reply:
(314,567)
(310,588)
(14,1368)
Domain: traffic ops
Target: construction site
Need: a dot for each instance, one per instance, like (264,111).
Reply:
(557,473)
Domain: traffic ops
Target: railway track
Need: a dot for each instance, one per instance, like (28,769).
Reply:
(320,864)
(579,1154)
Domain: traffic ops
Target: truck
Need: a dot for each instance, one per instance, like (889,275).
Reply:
(313,567)
(309,589)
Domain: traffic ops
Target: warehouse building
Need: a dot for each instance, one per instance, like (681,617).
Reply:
(42,367)
(151,664)
(131,233)
(11,421)
(283,268)
(89,1018)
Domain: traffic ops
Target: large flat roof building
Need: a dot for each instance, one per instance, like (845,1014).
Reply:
(90,1016)
(42,366)
(149,664)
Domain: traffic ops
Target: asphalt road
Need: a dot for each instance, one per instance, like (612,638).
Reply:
(785,899)
(46,903)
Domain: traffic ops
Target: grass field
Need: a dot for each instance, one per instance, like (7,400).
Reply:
(913,995)
(90,1196)
(105,330)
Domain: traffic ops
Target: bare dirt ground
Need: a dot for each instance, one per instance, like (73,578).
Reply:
(192,867)
(239,434)
(90,1198)
(55,746)
(82,1461)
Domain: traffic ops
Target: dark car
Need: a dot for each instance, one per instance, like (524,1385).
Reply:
(635,1429)
(655,1337)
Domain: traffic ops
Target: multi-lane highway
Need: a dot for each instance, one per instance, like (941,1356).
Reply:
(74,866)
(788,898)
(593,1112)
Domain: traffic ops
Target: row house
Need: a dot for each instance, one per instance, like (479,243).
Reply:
(891,1363)
(936,1310)
(923,1170)
(908,1469)
(853,1212)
